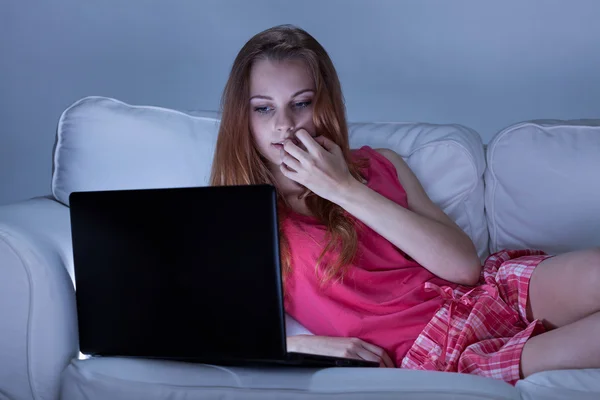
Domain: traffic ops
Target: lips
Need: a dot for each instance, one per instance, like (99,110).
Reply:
(279,145)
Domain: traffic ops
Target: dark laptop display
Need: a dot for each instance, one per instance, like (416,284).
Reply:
(182,273)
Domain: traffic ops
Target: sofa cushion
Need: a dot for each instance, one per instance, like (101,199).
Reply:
(581,384)
(449,162)
(103,143)
(542,186)
(118,378)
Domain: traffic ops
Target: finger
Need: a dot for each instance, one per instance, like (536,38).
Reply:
(291,162)
(369,356)
(387,360)
(293,175)
(308,141)
(379,352)
(290,147)
(326,143)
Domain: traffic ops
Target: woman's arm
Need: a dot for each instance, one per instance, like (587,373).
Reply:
(423,231)
(339,347)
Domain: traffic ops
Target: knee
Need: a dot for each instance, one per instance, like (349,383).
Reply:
(593,269)
(594,258)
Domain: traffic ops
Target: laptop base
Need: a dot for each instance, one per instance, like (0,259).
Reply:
(297,360)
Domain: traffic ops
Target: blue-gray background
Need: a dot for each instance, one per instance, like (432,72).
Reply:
(484,64)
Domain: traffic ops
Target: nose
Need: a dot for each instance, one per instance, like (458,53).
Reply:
(284,122)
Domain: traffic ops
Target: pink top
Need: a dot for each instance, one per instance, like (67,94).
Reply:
(382,299)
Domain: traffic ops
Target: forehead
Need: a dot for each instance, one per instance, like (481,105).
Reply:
(273,78)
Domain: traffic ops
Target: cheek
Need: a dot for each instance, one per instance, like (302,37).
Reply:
(260,136)
(306,122)
(257,129)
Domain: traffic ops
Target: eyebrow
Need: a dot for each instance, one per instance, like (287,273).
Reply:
(270,98)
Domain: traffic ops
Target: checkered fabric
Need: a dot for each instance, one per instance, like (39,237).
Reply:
(482,329)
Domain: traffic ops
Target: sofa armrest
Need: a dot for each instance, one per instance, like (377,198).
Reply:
(38,328)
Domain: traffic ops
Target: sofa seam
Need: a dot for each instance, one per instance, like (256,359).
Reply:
(3,236)
(492,205)
(490,155)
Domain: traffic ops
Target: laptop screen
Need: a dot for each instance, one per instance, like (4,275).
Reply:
(178,273)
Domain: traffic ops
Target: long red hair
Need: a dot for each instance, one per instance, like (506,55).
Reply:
(238,162)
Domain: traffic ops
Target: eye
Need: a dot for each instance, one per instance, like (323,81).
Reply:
(263,110)
(302,104)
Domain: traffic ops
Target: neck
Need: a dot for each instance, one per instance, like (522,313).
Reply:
(286,187)
(290,191)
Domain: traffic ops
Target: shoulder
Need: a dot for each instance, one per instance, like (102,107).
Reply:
(405,175)
(402,167)
(388,154)
(391,155)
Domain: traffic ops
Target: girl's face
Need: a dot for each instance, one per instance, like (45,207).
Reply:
(281,102)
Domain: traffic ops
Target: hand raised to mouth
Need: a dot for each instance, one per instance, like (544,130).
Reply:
(316,163)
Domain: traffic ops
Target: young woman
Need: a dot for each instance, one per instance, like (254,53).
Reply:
(371,265)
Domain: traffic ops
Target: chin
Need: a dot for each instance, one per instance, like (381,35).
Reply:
(272,160)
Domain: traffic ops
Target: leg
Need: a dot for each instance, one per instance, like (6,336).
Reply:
(569,347)
(564,289)
(564,295)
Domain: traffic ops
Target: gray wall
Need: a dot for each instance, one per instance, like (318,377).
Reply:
(480,63)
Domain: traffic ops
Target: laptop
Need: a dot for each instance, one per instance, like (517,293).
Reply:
(189,274)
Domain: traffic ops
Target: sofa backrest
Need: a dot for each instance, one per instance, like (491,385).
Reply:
(543,186)
(449,162)
(103,144)
(106,144)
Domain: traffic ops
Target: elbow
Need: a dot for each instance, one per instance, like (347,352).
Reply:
(470,264)
(467,266)
(470,279)
(463,271)
(470,272)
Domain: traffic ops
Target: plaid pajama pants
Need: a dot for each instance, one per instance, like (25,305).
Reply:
(481,330)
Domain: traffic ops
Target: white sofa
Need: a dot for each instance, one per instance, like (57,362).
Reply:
(536,185)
